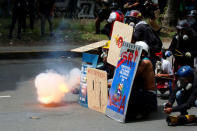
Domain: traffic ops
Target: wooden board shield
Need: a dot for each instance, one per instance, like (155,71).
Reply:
(88,61)
(121,32)
(97,89)
(120,90)
(90,46)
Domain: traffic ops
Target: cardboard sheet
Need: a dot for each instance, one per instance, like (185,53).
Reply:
(97,89)
(121,32)
(90,46)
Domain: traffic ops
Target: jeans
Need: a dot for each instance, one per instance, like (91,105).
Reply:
(181,98)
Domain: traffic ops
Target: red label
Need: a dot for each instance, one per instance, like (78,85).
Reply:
(120,42)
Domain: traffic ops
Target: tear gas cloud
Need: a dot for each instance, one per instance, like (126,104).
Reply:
(52,86)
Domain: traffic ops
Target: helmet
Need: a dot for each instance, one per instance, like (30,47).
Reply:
(114,6)
(143,44)
(185,71)
(192,13)
(107,45)
(133,16)
(134,13)
(182,24)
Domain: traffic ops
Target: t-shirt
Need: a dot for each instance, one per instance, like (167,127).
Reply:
(166,67)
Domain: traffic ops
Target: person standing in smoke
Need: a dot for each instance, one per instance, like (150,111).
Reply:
(18,15)
(45,11)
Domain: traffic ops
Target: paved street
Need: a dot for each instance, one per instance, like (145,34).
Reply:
(20,110)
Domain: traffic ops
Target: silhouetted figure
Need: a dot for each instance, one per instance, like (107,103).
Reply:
(18,15)
(45,10)
(32,12)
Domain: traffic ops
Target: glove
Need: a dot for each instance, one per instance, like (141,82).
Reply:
(188,54)
(168,53)
(168,110)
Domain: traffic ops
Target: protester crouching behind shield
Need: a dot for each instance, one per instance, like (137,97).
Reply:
(183,46)
(143,99)
(185,92)
(144,32)
(106,66)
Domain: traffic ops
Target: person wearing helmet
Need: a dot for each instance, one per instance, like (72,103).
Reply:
(143,99)
(144,32)
(115,15)
(106,66)
(192,19)
(185,92)
(183,46)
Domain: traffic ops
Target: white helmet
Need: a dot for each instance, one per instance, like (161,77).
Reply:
(144,46)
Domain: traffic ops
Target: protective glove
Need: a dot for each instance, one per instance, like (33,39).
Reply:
(188,54)
(168,110)
(168,53)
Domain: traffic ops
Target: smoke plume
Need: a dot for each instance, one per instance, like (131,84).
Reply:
(52,86)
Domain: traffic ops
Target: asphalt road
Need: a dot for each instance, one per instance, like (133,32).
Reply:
(20,110)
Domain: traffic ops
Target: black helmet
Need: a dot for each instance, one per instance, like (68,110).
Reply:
(192,13)
(114,6)
(182,24)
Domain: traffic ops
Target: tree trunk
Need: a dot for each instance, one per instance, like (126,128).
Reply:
(171,17)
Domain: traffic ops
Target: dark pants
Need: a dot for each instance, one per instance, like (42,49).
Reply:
(17,17)
(181,98)
(32,19)
(141,102)
(45,17)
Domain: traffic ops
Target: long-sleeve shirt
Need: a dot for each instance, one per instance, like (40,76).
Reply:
(192,96)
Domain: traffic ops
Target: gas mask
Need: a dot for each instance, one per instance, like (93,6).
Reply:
(181,35)
(104,53)
(183,85)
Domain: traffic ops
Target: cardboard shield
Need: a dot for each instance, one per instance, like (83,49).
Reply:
(88,61)
(97,89)
(120,90)
(90,46)
(121,32)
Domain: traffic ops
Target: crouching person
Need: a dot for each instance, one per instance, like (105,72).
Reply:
(143,99)
(185,92)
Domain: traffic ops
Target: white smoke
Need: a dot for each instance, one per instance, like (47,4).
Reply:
(52,86)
